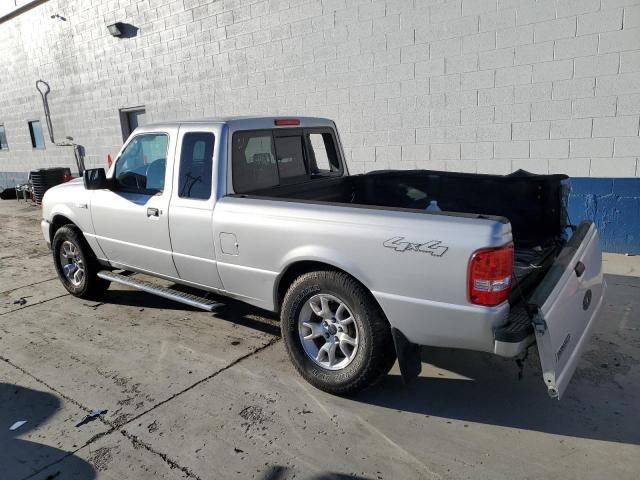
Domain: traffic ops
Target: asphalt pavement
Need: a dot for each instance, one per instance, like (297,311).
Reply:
(190,394)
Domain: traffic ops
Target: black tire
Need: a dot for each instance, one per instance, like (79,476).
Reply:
(90,286)
(375,354)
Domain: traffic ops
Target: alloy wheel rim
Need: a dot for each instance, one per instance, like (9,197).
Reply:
(328,331)
(72,263)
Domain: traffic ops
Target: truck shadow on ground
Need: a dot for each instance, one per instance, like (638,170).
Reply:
(487,391)
(485,388)
(22,458)
(232,311)
(279,472)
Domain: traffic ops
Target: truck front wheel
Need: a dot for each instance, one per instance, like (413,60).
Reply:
(76,264)
(335,333)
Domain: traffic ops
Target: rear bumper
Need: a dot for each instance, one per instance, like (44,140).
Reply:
(45,225)
(437,324)
(513,349)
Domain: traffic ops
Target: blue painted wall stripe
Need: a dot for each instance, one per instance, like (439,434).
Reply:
(614,205)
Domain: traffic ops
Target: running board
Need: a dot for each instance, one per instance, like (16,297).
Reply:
(168,293)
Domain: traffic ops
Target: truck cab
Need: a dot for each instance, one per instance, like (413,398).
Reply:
(165,182)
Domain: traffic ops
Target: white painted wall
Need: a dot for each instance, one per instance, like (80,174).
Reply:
(471,85)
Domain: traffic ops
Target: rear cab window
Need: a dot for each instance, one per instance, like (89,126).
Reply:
(264,159)
(290,157)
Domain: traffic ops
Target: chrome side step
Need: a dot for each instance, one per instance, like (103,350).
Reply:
(168,293)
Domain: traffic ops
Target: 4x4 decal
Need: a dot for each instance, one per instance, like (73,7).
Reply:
(432,247)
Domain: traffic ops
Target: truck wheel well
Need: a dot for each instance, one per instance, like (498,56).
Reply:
(296,269)
(57,222)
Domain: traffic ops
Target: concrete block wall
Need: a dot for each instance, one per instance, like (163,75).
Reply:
(487,86)
(471,85)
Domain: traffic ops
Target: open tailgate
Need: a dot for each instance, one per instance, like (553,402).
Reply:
(567,303)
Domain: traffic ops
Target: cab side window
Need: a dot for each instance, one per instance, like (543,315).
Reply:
(141,167)
(196,164)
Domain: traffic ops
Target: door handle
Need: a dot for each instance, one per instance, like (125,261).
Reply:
(153,212)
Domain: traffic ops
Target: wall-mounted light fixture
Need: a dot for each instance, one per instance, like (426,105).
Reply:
(116,29)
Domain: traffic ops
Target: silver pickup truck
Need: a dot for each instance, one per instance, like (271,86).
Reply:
(363,269)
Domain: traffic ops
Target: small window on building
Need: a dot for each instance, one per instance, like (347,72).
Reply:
(37,139)
(196,162)
(3,138)
(130,119)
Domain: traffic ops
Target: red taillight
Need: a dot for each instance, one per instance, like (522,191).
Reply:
(283,122)
(490,275)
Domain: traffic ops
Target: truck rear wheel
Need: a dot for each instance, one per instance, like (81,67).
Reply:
(76,265)
(335,333)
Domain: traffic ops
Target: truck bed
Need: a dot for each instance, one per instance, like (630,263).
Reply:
(533,204)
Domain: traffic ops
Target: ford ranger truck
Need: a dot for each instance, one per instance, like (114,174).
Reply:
(362,273)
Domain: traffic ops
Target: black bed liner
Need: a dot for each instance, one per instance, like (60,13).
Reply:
(530,265)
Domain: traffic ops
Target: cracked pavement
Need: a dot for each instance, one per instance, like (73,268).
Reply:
(191,394)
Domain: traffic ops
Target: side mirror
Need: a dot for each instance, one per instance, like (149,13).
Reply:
(95,179)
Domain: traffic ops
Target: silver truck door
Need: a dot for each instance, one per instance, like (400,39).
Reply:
(567,303)
(131,219)
(192,202)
